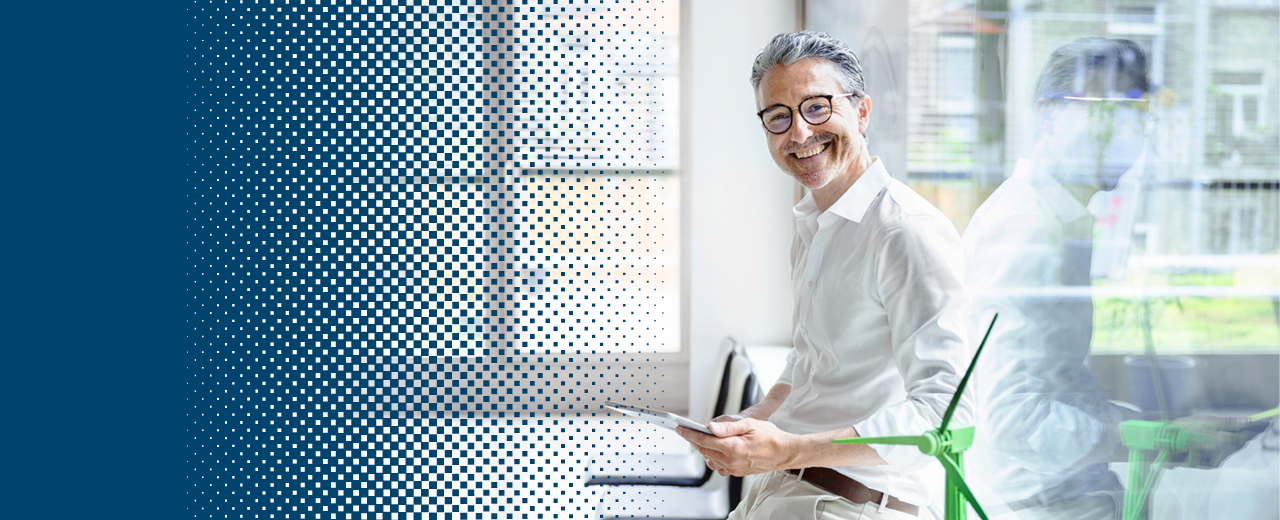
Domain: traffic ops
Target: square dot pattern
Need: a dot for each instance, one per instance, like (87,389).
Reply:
(427,241)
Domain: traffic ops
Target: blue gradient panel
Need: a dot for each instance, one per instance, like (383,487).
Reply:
(426,242)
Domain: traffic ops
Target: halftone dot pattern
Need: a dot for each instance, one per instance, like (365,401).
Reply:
(428,240)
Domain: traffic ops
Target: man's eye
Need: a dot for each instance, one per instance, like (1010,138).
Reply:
(816,110)
(779,117)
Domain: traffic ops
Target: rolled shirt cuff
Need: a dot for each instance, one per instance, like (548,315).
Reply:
(897,420)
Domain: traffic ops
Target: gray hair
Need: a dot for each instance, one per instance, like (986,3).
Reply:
(789,48)
(1094,67)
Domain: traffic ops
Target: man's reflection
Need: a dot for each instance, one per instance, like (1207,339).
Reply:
(1046,431)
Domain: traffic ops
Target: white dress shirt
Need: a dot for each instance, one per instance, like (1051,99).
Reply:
(878,326)
(1028,249)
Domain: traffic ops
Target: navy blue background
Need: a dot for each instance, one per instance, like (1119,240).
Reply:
(93,162)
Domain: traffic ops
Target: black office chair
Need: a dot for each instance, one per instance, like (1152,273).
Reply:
(681,486)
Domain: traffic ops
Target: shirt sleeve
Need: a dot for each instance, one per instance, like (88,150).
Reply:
(919,272)
(1041,407)
(785,377)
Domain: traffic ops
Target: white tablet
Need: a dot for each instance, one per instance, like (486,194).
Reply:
(666,420)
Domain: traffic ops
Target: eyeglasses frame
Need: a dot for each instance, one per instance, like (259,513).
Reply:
(829,97)
(1149,119)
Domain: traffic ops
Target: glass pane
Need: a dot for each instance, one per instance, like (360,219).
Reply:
(1115,258)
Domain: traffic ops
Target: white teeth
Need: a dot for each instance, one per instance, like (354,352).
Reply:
(811,153)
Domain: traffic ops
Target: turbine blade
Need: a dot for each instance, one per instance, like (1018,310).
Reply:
(954,472)
(955,399)
(913,440)
(1264,415)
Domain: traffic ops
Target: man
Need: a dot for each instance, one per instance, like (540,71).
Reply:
(1050,430)
(1048,433)
(878,324)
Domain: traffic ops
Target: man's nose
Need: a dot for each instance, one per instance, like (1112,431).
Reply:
(801,130)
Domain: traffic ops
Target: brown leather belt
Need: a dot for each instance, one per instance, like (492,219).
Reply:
(835,482)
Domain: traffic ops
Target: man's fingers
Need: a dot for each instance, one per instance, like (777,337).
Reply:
(718,466)
(708,446)
(721,452)
(696,438)
(730,429)
(713,452)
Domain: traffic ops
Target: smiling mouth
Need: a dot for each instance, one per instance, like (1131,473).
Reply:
(810,153)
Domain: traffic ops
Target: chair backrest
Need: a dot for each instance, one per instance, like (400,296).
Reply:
(735,389)
(768,362)
(734,383)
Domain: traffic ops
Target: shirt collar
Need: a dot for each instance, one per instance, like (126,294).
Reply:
(1056,197)
(853,204)
(855,201)
(806,213)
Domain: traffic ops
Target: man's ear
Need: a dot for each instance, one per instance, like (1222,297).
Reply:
(864,114)
(1044,116)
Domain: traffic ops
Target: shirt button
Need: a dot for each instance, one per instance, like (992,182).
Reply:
(811,283)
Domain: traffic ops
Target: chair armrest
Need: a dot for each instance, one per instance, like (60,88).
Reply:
(645,481)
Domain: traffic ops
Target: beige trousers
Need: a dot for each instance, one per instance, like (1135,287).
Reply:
(782,496)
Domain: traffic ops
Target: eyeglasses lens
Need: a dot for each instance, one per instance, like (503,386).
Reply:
(815,111)
(777,119)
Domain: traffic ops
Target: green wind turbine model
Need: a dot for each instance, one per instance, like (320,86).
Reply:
(947,444)
(1150,443)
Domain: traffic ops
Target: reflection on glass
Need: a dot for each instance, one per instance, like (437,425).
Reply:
(1130,215)
(1049,431)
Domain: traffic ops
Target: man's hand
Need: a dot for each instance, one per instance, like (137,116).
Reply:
(742,446)
(1229,436)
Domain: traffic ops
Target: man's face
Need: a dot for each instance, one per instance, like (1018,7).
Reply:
(1098,140)
(814,154)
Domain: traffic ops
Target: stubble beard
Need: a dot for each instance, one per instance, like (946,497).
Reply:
(817,178)
(814,180)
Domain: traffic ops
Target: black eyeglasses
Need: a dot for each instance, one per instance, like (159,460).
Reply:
(814,109)
(1140,104)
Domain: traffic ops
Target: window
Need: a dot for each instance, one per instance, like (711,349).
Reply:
(1198,217)
(584,108)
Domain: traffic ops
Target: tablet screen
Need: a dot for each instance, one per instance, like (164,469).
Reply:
(666,420)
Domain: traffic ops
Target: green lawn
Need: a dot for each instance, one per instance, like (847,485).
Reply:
(1188,325)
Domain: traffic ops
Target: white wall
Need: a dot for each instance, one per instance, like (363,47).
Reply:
(739,225)
(877,33)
